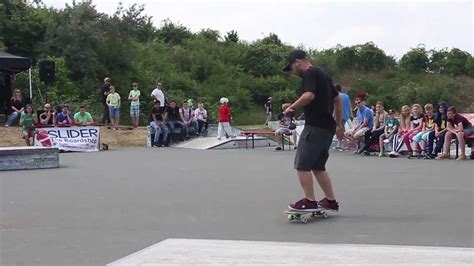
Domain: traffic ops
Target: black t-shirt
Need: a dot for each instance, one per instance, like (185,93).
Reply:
(173,113)
(319,111)
(18,104)
(158,113)
(268,106)
(417,120)
(441,120)
(103,89)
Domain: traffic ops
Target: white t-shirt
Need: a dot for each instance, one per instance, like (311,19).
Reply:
(186,113)
(200,114)
(159,95)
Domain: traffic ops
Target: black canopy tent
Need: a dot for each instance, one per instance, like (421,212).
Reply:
(10,65)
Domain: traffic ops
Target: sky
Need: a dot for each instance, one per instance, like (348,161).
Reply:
(394,26)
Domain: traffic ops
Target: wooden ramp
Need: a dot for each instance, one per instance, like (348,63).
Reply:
(207,143)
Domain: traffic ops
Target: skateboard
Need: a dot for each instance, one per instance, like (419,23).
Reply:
(305,216)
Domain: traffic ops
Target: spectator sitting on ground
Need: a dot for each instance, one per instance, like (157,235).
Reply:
(47,117)
(83,118)
(285,126)
(372,136)
(415,128)
(64,118)
(440,127)
(174,119)
(365,121)
(187,115)
(28,120)
(157,117)
(200,115)
(363,95)
(17,106)
(404,128)
(390,129)
(458,127)
(423,137)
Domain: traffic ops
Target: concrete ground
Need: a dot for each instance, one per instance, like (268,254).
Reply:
(99,207)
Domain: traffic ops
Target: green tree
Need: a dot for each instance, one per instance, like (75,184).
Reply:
(78,26)
(438,60)
(173,34)
(132,23)
(415,60)
(210,35)
(370,57)
(456,61)
(346,57)
(232,37)
(22,27)
(470,66)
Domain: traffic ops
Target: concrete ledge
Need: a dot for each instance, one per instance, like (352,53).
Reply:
(23,158)
(227,252)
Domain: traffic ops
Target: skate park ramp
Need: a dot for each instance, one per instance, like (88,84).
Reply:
(232,252)
(211,141)
(207,143)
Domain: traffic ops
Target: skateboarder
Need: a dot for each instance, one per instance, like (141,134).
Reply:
(223,127)
(318,98)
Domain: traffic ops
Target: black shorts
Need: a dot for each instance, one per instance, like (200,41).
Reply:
(313,149)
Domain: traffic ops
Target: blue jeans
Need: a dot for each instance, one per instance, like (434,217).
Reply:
(439,143)
(12,119)
(431,138)
(177,124)
(114,112)
(193,126)
(158,128)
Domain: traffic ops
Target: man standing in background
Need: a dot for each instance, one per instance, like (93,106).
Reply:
(158,94)
(268,110)
(346,110)
(104,91)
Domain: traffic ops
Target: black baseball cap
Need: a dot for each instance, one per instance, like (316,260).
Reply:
(295,54)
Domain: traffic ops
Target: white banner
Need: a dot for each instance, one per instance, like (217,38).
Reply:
(84,139)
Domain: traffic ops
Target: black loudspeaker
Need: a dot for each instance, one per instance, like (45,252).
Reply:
(47,71)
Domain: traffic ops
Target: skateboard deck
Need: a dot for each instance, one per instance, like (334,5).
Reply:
(305,216)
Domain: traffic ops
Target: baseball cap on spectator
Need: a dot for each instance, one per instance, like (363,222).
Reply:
(292,57)
(362,95)
(224,100)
